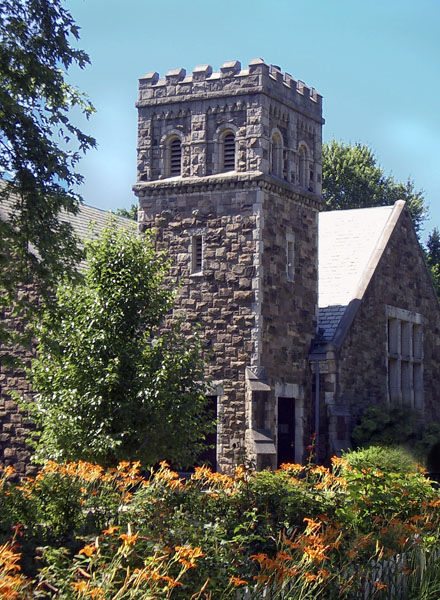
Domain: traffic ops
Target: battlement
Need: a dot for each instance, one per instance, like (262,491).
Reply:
(231,80)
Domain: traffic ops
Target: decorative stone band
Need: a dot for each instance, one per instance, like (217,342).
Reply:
(237,181)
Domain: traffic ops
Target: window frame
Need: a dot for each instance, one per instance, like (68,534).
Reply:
(224,130)
(290,257)
(166,166)
(276,166)
(196,252)
(228,133)
(303,166)
(404,346)
(171,163)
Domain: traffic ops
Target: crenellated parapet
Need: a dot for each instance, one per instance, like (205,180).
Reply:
(231,80)
(236,120)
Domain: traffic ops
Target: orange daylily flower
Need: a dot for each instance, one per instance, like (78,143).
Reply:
(129,539)
(88,550)
(380,586)
(236,581)
(80,586)
(110,530)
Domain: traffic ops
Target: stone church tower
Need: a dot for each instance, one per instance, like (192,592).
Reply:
(229,174)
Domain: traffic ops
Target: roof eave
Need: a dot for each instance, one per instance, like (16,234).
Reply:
(354,304)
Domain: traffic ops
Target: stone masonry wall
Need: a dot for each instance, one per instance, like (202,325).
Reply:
(401,280)
(289,306)
(15,425)
(220,297)
(250,315)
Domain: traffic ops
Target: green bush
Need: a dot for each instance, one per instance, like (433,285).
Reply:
(389,460)
(113,534)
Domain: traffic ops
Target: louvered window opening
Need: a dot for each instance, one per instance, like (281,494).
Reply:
(197,253)
(175,157)
(229,152)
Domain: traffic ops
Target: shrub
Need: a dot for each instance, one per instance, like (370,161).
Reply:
(300,532)
(389,460)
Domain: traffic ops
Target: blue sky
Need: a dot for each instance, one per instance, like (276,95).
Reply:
(376,63)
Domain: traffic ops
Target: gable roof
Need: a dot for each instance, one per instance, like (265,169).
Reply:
(88,223)
(351,243)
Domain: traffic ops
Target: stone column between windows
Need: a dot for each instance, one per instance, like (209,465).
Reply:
(198,145)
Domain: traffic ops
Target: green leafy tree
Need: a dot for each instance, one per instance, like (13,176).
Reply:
(109,386)
(39,145)
(128,213)
(352,178)
(433,257)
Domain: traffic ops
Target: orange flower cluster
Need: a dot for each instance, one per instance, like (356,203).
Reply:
(311,557)
(281,567)
(237,582)
(13,585)
(216,480)
(88,550)
(129,539)
(187,555)
(85,589)
(154,575)
(168,477)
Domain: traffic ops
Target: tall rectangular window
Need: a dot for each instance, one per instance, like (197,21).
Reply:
(196,253)
(175,158)
(229,152)
(405,357)
(290,256)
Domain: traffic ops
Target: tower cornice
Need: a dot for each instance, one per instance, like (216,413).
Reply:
(228,181)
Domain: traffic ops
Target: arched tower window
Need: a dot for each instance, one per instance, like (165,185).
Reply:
(303,167)
(229,151)
(175,157)
(276,155)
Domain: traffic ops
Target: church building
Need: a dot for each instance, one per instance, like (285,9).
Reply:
(307,317)
(229,176)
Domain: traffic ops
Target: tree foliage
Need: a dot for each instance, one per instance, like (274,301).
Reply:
(109,386)
(128,213)
(432,254)
(352,178)
(39,145)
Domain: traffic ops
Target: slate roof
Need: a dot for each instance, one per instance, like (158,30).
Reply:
(351,243)
(90,222)
(86,217)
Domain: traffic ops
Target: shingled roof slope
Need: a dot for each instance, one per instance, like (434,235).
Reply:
(88,223)
(351,243)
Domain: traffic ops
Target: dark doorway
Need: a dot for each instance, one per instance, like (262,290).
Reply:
(209,456)
(286,430)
